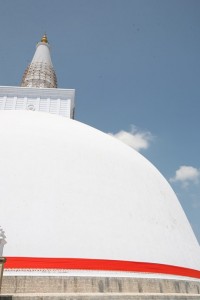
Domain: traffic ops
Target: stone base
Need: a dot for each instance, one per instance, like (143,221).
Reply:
(113,296)
(97,288)
(2,261)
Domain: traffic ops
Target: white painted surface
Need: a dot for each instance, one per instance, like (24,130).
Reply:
(55,101)
(91,273)
(40,73)
(42,54)
(69,190)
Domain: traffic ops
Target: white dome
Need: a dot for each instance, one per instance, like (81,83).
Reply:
(71,191)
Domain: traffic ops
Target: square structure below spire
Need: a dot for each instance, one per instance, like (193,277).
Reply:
(51,100)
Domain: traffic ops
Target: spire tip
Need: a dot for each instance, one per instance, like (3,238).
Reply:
(44,39)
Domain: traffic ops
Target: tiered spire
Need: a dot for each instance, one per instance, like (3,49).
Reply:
(40,72)
(2,240)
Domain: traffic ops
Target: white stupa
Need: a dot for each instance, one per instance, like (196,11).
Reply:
(75,198)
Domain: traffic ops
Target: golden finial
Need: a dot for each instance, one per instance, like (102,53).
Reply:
(44,39)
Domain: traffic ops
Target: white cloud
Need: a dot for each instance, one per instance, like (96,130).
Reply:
(136,139)
(186,174)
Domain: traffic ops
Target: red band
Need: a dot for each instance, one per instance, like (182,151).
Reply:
(97,264)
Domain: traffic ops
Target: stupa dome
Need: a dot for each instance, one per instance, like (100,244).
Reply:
(71,191)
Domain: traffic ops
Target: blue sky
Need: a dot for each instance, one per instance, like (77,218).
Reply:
(135,66)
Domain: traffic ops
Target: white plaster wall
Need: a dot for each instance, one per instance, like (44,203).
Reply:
(69,190)
(51,100)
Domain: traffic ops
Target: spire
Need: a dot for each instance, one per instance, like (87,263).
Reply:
(40,72)
(2,241)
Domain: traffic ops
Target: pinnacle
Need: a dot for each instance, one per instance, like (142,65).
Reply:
(40,73)
(44,39)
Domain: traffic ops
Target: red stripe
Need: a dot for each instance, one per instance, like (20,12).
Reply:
(96,264)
